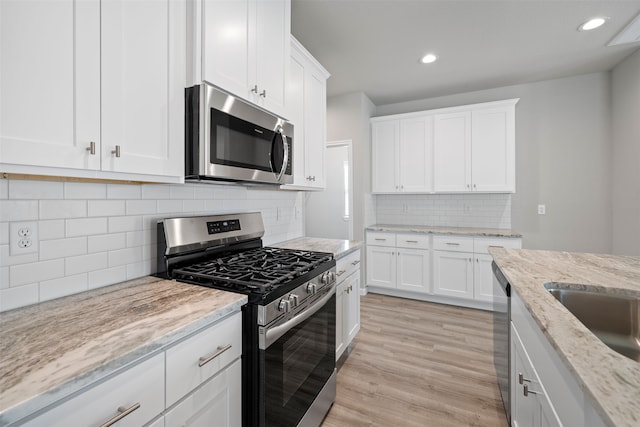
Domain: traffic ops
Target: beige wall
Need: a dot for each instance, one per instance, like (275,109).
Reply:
(563,152)
(625,83)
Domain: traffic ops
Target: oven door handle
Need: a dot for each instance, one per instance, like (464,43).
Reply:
(276,332)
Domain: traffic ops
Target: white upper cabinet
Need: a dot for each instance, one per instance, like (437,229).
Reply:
(242,46)
(50,83)
(86,93)
(307,110)
(469,148)
(401,153)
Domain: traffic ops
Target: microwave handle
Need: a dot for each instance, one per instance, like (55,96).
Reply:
(285,158)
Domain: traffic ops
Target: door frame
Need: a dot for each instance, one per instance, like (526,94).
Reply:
(349,144)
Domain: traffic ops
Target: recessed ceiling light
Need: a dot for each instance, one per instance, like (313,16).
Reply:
(428,58)
(593,23)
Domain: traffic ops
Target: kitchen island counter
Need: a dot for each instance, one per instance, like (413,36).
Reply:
(339,248)
(54,349)
(612,381)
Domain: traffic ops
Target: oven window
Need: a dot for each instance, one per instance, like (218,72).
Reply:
(297,366)
(236,142)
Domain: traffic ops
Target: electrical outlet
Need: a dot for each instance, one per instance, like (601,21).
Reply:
(542,209)
(23,238)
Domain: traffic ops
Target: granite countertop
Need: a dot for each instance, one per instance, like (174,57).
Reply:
(463,231)
(339,248)
(52,349)
(611,380)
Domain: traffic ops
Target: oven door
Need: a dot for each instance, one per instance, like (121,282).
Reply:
(298,365)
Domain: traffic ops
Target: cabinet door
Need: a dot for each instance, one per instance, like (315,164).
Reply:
(525,409)
(143,79)
(225,41)
(413,270)
(381,266)
(315,110)
(451,152)
(453,274)
(340,302)
(384,138)
(141,386)
(493,149)
(272,41)
(216,403)
(483,280)
(50,83)
(296,113)
(351,308)
(415,150)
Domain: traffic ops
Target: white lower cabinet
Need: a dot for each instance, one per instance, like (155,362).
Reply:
(453,274)
(199,375)
(139,391)
(215,403)
(347,301)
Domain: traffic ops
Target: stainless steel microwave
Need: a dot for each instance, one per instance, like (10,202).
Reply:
(229,139)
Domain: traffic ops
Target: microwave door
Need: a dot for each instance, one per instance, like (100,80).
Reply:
(279,154)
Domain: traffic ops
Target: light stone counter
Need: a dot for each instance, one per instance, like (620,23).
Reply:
(463,231)
(339,248)
(610,379)
(52,349)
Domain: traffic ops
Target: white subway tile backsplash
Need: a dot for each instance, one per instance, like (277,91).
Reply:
(61,248)
(51,229)
(106,242)
(98,234)
(122,191)
(108,276)
(86,263)
(18,210)
(86,226)
(18,297)
(23,274)
(141,207)
(19,189)
(85,190)
(55,209)
(68,285)
(125,256)
(119,224)
(106,207)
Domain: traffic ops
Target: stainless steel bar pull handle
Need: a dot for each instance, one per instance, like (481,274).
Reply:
(381,240)
(92,148)
(263,93)
(254,89)
(123,413)
(116,151)
(522,379)
(356,262)
(204,360)
(340,273)
(526,391)
(411,241)
(453,244)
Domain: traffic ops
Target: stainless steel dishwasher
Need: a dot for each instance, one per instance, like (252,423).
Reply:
(502,335)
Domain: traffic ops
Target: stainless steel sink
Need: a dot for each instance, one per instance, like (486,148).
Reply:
(614,319)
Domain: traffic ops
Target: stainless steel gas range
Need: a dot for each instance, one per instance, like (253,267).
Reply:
(288,359)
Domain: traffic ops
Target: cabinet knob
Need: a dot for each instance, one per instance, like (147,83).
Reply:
(116,151)
(92,148)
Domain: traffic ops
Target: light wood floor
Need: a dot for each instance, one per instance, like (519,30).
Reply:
(418,364)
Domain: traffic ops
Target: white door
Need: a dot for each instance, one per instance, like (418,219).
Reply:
(492,149)
(381,266)
(453,274)
(50,83)
(451,149)
(413,270)
(414,152)
(384,137)
(329,213)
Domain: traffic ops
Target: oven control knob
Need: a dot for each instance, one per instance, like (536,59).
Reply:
(293,300)
(311,288)
(332,277)
(284,305)
(325,279)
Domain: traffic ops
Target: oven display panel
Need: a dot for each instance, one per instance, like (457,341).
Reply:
(216,227)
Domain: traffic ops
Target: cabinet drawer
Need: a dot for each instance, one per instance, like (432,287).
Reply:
(412,240)
(381,239)
(141,386)
(216,403)
(453,243)
(347,265)
(184,372)
(481,244)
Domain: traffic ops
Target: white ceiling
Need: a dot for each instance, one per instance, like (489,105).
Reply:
(373,46)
